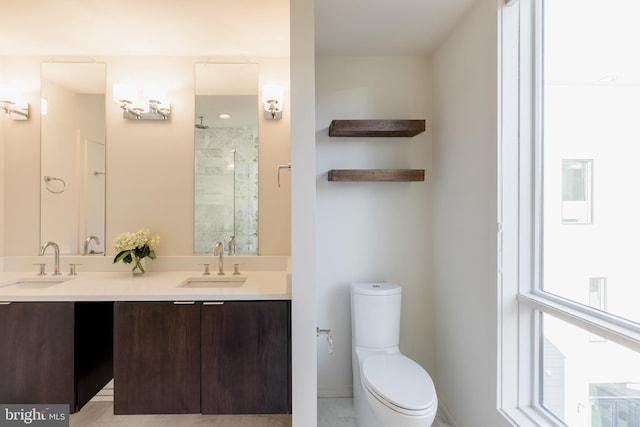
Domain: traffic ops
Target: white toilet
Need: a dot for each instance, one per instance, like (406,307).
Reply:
(389,389)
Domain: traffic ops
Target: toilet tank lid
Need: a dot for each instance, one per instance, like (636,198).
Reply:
(375,288)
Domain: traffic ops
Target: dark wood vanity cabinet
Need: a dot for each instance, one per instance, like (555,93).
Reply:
(246,355)
(55,352)
(156,358)
(231,357)
(36,349)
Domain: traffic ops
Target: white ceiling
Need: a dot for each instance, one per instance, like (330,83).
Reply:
(214,28)
(384,27)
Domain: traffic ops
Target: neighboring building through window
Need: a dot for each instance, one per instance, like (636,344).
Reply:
(597,299)
(577,178)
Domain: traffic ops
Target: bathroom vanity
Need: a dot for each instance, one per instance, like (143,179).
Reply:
(172,341)
(211,357)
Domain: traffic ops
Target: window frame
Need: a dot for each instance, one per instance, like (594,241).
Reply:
(521,299)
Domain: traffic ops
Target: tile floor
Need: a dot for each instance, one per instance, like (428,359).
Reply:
(100,414)
(332,412)
(338,412)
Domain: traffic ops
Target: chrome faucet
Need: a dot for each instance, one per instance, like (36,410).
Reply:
(218,250)
(56,256)
(232,245)
(87,241)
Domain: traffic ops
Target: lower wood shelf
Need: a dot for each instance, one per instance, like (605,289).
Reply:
(388,175)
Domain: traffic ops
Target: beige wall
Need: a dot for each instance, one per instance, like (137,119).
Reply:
(274,211)
(2,189)
(22,162)
(2,157)
(149,165)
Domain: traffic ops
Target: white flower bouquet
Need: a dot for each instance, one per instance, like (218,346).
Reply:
(133,247)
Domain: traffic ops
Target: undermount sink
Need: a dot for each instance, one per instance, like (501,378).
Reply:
(213,282)
(35,282)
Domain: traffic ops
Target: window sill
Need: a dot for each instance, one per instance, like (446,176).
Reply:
(529,417)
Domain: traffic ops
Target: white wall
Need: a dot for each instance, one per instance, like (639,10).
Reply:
(465,217)
(149,165)
(370,231)
(303,218)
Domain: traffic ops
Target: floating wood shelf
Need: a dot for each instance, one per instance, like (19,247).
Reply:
(376,128)
(390,175)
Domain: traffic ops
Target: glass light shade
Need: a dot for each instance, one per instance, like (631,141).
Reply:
(124,92)
(156,93)
(272,93)
(139,104)
(9,94)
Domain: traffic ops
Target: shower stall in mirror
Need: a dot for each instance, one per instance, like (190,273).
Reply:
(72,205)
(226,157)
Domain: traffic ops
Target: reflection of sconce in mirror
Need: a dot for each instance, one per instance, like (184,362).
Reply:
(154,104)
(272,101)
(11,104)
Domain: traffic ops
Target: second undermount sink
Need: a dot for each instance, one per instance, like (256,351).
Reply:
(38,282)
(213,282)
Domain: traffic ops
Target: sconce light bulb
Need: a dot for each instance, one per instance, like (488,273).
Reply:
(272,98)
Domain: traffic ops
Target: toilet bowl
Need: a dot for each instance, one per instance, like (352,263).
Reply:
(390,389)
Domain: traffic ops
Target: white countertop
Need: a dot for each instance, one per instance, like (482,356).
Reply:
(152,286)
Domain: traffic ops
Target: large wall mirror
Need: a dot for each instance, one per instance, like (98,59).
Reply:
(73,141)
(226,157)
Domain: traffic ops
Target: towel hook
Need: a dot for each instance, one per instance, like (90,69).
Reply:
(287,166)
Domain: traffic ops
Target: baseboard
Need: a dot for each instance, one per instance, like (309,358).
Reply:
(335,392)
(442,409)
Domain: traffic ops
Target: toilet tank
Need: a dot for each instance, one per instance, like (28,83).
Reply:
(375,314)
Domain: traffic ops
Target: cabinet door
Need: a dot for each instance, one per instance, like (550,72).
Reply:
(246,365)
(36,353)
(156,358)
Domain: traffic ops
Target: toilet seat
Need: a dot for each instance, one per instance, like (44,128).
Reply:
(399,383)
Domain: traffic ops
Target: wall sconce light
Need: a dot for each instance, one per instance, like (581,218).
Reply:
(10,103)
(272,101)
(152,105)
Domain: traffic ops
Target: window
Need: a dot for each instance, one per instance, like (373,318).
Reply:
(570,295)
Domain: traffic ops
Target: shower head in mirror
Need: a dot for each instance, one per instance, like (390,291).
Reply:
(201,125)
